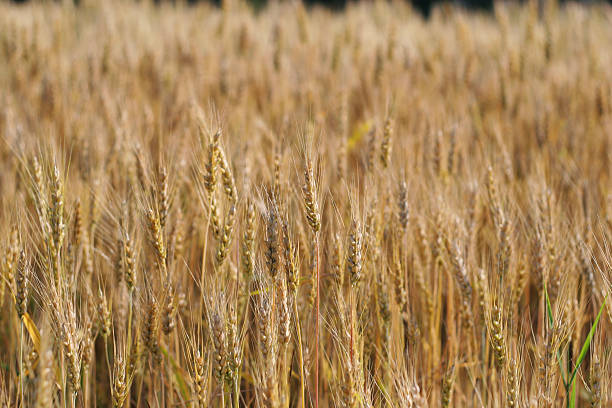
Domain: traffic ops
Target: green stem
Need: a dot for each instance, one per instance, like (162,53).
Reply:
(161,385)
(236,392)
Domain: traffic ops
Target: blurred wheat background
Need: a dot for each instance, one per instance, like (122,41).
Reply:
(294,207)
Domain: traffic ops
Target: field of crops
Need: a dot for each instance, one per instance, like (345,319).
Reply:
(294,207)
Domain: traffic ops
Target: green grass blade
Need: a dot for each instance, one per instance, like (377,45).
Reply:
(550,322)
(587,343)
(572,399)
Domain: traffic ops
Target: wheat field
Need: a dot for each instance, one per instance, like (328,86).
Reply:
(298,207)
